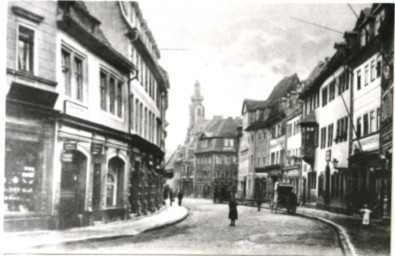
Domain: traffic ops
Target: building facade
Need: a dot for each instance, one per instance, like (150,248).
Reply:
(216,159)
(92,165)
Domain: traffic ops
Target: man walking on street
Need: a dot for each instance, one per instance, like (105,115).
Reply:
(180,195)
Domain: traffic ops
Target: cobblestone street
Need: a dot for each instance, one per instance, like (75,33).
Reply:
(207,230)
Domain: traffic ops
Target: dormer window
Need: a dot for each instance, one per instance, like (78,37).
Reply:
(362,37)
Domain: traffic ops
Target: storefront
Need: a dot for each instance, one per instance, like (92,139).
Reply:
(29,142)
(371,181)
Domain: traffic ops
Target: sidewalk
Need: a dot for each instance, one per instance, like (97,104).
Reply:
(374,239)
(22,241)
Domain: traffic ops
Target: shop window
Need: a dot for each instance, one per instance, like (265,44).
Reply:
(378,68)
(21,176)
(25,49)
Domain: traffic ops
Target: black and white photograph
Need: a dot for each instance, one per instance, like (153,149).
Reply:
(223,127)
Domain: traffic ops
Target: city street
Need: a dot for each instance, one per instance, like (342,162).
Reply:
(207,230)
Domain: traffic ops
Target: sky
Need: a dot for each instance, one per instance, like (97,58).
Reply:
(237,50)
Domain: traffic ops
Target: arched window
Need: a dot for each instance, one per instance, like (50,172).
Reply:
(114,182)
(111,188)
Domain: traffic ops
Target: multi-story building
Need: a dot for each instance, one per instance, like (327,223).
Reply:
(147,97)
(252,112)
(367,160)
(293,165)
(268,149)
(32,91)
(216,159)
(70,103)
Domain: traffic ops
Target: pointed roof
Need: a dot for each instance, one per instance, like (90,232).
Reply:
(253,105)
(287,84)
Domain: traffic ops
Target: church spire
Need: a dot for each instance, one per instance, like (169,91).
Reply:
(196,108)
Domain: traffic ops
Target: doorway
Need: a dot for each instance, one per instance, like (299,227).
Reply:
(72,191)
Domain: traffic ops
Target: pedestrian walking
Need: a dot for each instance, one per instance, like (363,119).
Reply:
(180,196)
(232,211)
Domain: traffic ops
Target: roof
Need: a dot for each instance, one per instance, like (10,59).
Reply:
(252,105)
(220,127)
(286,85)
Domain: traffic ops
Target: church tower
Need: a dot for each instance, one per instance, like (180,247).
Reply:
(196,108)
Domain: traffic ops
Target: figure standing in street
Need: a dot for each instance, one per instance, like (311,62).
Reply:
(232,210)
(258,203)
(180,196)
(171,197)
(366,215)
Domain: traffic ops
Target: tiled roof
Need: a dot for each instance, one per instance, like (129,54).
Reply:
(220,127)
(252,105)
(309,119)
(286,85)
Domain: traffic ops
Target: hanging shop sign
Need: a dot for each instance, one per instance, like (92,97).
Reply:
(66,157)
(70,145)
(96,148)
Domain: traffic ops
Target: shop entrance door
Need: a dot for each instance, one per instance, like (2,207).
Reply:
(72,191)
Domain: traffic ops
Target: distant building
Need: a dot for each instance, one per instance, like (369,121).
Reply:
(216,159)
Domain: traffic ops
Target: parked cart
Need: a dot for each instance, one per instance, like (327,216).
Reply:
(283,197)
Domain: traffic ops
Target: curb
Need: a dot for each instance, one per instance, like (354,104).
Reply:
(345,244)
(112,237)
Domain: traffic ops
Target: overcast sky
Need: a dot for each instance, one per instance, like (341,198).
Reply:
(237,50)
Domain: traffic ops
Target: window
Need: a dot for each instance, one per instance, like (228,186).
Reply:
(78,78)
(252,160)
(73,73)
(66,72)
(359,80)
(112,95)
(366,78)
(131,112)
(330,135)
(110,191)
(323,137)
(228,143)
(25,49)
(372,70)
(378,119)
(332,90)
(378,68)
(119,99)
(372,121)
(289,130)
(103,91)
(362,37)
(365,124)
(324,96)
(359,127)
(272,158)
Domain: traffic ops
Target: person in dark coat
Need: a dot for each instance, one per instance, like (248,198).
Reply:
(171,195)
(180,196)
(258,203)
(232,211)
